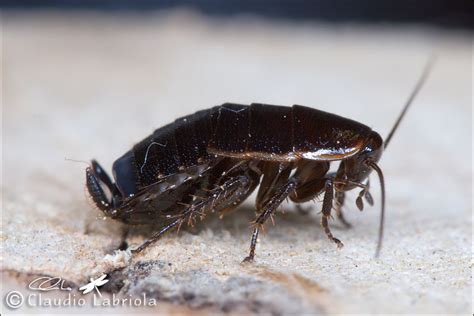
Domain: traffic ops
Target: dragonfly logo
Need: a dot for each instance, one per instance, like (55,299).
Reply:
(94,284)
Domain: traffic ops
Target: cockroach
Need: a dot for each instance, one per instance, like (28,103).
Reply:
(214,159)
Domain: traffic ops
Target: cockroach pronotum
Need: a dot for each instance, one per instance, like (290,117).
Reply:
(214,159)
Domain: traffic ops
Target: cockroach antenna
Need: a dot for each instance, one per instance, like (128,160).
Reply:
(419,85)
(377,169)
(373,165)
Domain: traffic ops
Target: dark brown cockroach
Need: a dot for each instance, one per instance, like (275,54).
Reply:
(214,159)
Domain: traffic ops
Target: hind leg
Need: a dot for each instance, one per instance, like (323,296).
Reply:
(222,194)
(156,236)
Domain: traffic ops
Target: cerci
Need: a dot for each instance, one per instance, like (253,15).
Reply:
(212,160)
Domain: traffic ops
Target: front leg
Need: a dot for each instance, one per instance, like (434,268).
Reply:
(340,197)
(327,206)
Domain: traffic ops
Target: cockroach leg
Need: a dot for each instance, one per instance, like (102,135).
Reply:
(268,208)
(327,206)
(340,197)
(156,236)
(199,206)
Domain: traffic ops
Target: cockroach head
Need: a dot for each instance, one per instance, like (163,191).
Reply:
(373,148)
(357,168)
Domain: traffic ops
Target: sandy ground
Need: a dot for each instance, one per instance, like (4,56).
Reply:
(89,85)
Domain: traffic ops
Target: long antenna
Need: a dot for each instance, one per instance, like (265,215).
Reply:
(382,213)
(419,85)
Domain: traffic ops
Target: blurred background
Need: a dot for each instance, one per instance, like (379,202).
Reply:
(88,79)
(456,14)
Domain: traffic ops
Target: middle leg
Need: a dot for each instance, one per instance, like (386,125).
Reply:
(275,187)
(266,211)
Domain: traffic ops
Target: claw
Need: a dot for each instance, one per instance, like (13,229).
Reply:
(339,243)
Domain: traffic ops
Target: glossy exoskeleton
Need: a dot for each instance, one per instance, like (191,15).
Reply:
(214,159)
